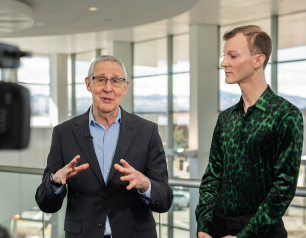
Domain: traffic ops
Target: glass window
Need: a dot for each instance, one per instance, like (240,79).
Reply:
(83,98)
(34,74)
(150,94)
(180,130)
(181,92)
(291,39)
(181,54)
(150,58)
(161,120)
(82,64)
(292,86)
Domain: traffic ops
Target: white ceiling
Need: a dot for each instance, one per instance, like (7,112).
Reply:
(138,20)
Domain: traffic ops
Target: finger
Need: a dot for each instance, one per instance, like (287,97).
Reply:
(125,164)
(63,181)
(81,167)
(73,162)
(131,185)
(122,170)
(126,178)
(72,174)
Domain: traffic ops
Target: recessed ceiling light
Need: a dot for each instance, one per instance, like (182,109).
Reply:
(93,9)
(40,24)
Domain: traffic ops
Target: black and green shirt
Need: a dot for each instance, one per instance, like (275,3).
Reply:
(253,164)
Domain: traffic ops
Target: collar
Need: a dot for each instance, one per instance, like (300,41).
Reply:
(262,103)
(92,119)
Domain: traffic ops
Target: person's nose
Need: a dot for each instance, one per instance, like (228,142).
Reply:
(108,86)
(224,63)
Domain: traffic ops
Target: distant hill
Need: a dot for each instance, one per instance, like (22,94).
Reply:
(229,99)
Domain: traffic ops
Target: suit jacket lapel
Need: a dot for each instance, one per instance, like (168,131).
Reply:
(82,135)
(128,130)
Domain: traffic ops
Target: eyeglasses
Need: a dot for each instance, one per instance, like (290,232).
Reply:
(101,81)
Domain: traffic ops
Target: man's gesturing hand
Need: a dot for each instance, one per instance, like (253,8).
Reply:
(68,171)
(137,180)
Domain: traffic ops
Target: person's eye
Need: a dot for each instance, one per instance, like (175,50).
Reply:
(233,56)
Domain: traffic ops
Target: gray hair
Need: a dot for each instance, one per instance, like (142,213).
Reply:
(107,58)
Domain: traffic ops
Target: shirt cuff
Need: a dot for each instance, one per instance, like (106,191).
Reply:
(146,196)
(56,190)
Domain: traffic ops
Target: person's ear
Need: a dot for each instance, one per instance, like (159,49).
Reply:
(125,87)
(88,84)
(259,61)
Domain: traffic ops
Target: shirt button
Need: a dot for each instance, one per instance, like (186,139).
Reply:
(156,203)
(240,162)
(106,198)
(237,183)
(106,152)
(107,171)
(235,204)
(242,142)
(100,225)
(106,133)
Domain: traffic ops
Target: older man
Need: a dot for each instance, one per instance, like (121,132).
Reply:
(106,199)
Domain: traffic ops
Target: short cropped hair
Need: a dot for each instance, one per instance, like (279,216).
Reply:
(107,58)
(259,41)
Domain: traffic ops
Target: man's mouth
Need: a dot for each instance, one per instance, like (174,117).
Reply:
(107,100)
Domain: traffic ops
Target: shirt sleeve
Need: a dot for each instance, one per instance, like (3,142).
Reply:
(57,190)
(210,185)
(146,196)
(286,167)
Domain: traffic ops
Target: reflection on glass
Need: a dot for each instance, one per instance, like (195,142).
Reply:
(181,53)
(180,130)
(181,92)
(82,64)
(150,94)
(83,98)
(34,70)
(150,58)
(161,120)
(39,99)
(230,93)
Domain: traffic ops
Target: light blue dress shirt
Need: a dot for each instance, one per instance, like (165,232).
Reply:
(105,142)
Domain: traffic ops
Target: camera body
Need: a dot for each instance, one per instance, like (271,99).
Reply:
(14,104)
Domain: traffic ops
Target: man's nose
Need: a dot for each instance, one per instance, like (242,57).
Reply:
(223,63)
(108,86)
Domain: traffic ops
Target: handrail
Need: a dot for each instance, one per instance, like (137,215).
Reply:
(190,183)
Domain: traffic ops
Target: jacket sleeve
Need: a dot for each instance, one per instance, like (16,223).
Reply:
(210,185)
(156,171)
(46,199)
(287,164)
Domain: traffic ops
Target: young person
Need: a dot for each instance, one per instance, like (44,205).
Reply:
(256,149)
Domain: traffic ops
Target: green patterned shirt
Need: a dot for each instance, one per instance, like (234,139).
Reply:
(253,164)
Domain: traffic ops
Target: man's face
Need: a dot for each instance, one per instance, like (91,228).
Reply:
(238,63)
(106,98)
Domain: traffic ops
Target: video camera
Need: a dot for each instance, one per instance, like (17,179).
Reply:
(14,103)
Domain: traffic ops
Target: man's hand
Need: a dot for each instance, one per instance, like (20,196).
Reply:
(68,171)
(137,180)
(203,235)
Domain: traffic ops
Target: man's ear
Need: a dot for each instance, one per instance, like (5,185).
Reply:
(125,87)
(259,60)
(87,82)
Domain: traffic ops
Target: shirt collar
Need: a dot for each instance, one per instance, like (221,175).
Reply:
(92,119)
(262,103)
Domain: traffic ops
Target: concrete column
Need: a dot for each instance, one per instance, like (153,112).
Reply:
(204,89)
(124,51)
(274,56)
(58,103)
(204,101)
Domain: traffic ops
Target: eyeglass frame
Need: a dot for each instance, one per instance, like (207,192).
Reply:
(107,79)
